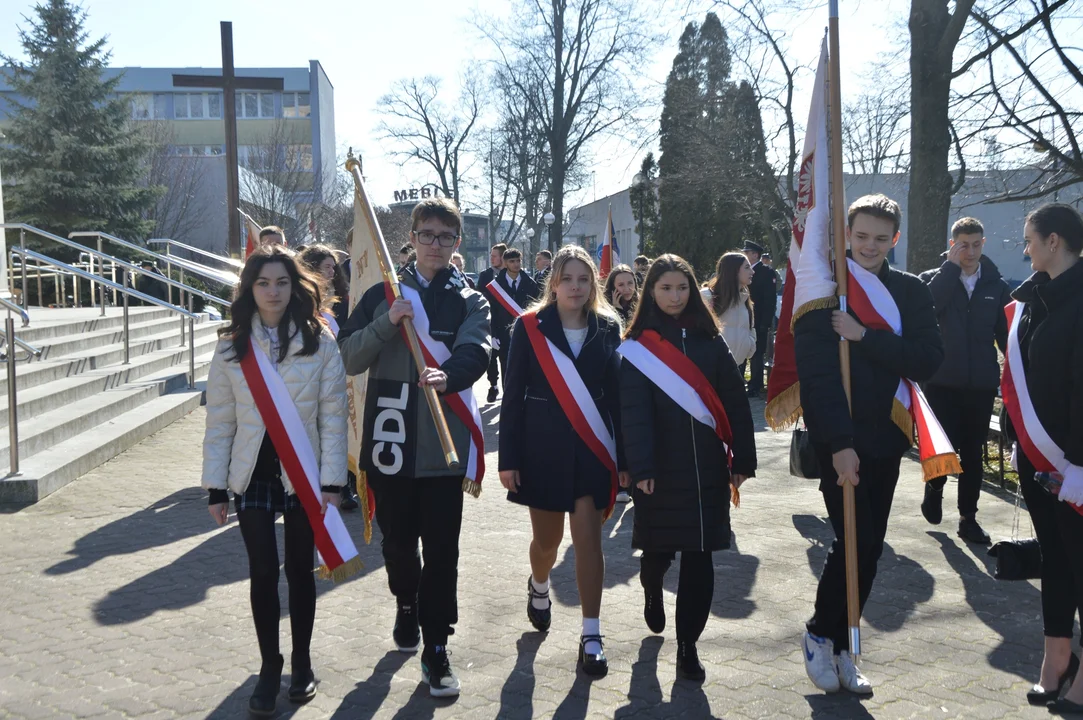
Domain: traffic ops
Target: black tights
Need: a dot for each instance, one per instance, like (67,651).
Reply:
(258,531)
(695,588)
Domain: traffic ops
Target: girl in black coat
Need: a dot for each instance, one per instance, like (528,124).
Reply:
(680,465)
(544,464)
(1051,351)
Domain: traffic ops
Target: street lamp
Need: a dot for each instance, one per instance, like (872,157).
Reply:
(530,239)
(549,218)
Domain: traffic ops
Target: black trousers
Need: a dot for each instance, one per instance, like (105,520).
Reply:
(429,510)
(763,335)
(258,531)
(1060,534)
(873,495)
(964,414)
(695,588)
(494,370)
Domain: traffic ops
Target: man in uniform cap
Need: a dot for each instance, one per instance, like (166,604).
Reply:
(764,292)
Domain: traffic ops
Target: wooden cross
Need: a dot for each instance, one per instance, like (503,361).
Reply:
(230,83)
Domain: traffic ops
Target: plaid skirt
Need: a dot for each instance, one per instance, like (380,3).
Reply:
(265,490)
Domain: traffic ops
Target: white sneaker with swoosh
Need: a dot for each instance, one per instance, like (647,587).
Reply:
(819,654)
(849,676)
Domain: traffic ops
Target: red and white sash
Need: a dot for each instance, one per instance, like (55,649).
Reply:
(462,403)
(507,301)
(575,400)
(876,309)
(679,378)
(333,543)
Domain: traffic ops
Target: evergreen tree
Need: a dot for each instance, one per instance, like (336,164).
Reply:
(645,205)
(75,160)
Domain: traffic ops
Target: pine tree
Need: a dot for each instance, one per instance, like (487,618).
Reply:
(75,160)
(645,205)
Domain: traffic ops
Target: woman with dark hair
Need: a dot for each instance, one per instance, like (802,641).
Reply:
(622,292)
(334,291)
(1043,399)
(727,295)
(683,410)
(276,315)
(563,367)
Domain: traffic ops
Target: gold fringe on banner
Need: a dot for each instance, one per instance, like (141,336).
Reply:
(471,487)
(824,303)
(784,408)
(735,496)
(941,465)
(345,571)
(363,496)
(903,419)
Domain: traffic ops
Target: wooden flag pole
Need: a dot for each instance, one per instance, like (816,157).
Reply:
(838,231)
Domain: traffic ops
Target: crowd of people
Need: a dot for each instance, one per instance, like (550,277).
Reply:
(643,380)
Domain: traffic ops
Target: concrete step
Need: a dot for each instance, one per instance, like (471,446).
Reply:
(46,473)
(70,344)
(40,372)
(52,323)
(36,401)
(87,416)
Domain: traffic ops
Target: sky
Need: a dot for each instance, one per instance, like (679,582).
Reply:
(365,45)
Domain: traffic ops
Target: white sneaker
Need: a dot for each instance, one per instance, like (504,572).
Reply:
(820,662)
(623,497)
(849,676)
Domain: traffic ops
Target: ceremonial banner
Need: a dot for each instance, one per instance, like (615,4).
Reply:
(608,253)
(810,282)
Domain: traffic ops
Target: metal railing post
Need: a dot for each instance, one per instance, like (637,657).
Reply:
(168,274)
(127,330)
(13,412)
(41,300)
(191,353)
(75,291)
(22,264)
(113,277)
(180,301)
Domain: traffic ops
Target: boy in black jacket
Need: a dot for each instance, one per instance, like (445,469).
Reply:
(864,446)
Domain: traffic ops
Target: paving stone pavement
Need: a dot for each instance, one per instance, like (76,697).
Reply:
(120,598)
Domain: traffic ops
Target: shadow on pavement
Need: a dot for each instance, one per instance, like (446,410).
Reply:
(645,697)
(1010,609)
(174,517)
(840,705)
(368,695)
(575,703)
(517,695)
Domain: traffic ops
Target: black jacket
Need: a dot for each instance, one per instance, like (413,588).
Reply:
(764,293)
(689,509)
(969,325)
(1051,343)
(525,294)
(876,365)
(536,437)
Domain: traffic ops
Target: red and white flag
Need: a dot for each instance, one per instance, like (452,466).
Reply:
(575,400)
(336,549)
(810,279)
(609,254)
(505,300)
(876,309)
(251,231)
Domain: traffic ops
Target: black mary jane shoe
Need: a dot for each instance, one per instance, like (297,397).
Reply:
(265,696)
(540,619)
(1038,695)
(688,665)
(1064,706)
(593,665)
(302,686)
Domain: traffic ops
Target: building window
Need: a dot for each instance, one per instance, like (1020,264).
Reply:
(296,105)
(299,157)
(197,106)
(196,150)
(148,107)
(252,105)
(254,157)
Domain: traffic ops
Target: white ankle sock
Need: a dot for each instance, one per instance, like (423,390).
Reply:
(540,587)
(592,626)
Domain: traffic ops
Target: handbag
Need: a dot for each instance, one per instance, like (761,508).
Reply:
(1017,559)
(803,460)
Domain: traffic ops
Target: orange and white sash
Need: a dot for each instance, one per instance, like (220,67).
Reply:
(337,552)
(876,309)
(679,378)
(575,400)
(462,403)
(507,301)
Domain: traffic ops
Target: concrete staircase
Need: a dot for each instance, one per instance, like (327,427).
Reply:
(79,405)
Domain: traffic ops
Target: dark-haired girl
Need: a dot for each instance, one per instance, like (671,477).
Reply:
(1043,397)
(622,292)
(677,455)
(276,309)
(321,261)
(728,296)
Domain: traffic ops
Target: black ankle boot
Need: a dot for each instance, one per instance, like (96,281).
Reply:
(265,696)
(654,611)
(688,665)
(302,680)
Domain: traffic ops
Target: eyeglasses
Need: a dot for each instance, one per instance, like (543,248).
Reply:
(426,238)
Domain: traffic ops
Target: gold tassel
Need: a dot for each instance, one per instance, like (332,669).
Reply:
(824,303)
(345,571)
(471,487)
(735,496)
(784,408)
(363,496)
(903,419)
(940,465)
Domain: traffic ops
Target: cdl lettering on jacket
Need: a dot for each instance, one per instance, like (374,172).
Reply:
(386,411)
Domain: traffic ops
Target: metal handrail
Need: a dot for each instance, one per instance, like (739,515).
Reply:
(16,309)
(24,345)
(170,241)
(222,276)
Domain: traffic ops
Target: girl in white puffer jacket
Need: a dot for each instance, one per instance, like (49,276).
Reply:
(277,308)
(727,295)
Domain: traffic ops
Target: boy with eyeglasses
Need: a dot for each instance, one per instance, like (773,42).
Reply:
(417,496)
